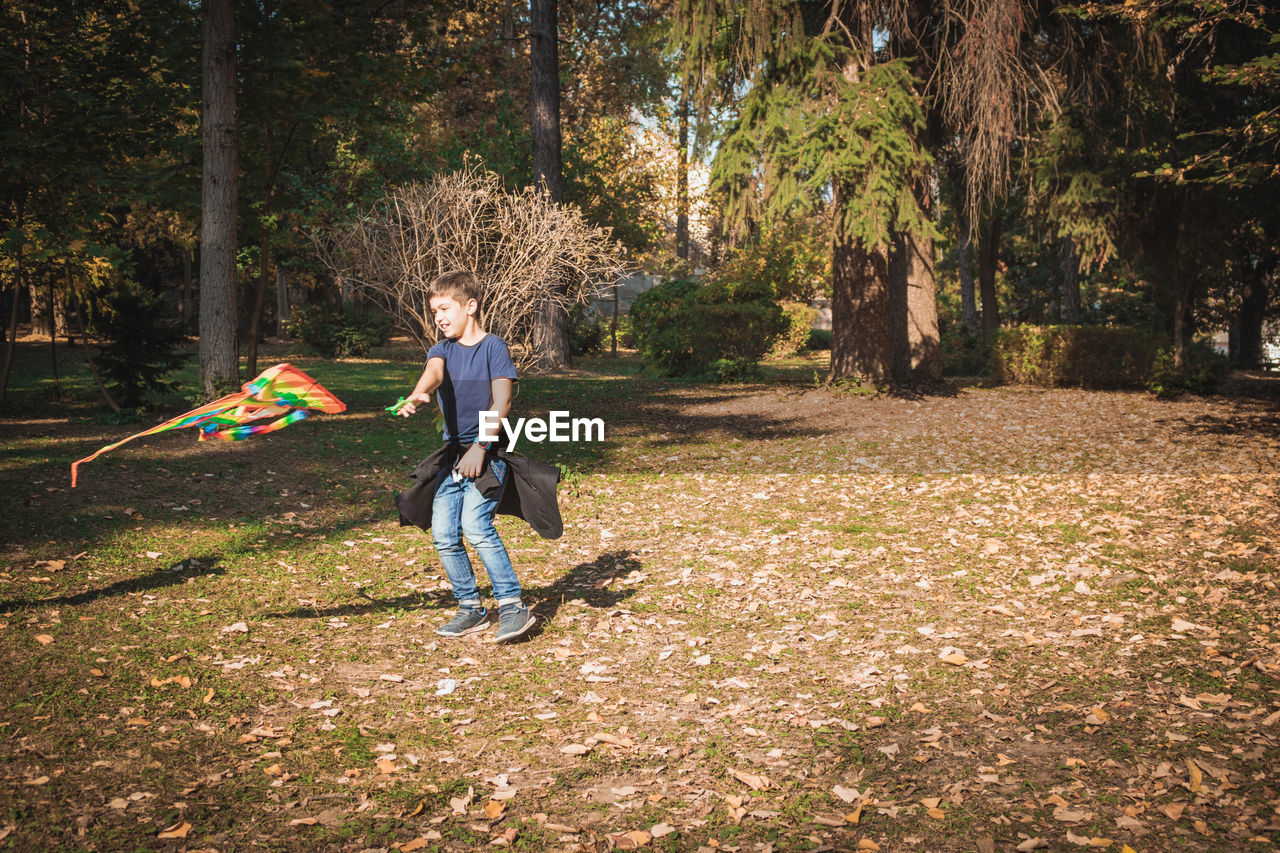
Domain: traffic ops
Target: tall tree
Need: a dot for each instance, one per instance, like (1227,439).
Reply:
(544,123)
(219,356)
(827,119)
(682,173)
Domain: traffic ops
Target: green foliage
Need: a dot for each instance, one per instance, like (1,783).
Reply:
(792,259)
(1076,356)
(808,129)
(819,339)
(794,338)
(1074,189)
(588,331)
(141,345)
(613,182)
(1203,370)
(332,333)
(717,330)
(964,352)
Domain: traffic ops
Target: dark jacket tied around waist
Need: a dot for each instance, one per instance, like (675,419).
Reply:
(529,491)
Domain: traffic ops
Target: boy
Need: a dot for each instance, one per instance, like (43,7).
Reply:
(471,371)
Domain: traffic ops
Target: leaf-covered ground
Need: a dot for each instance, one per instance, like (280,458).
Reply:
(781,617)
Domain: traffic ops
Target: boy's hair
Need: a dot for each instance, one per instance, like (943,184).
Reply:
(460,285)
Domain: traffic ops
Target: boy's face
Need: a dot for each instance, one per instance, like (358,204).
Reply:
(451,315)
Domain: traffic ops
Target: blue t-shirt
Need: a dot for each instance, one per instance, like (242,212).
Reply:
(467,389)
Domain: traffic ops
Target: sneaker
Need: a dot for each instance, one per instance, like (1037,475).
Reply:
(467,621)
(513,621)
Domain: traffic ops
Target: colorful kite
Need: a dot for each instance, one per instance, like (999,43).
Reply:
(283,392)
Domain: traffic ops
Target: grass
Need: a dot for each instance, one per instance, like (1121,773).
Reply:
(821,549)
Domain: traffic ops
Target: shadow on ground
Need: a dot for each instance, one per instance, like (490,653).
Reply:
(588,582)
(180,572)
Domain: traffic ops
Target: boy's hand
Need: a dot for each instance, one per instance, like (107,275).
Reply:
(471,462)
(410,405)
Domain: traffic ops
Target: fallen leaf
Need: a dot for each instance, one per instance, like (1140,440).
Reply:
(955,658)
(460,804)
(386,766)
(178,830)
(919,708)
(846,794)
(415,844)
(1195,778)
(757,783)
(659,830)
(236,628)
(1070,815)
(1032,844)
(44,639)
(575,749)
(868,844)
(393,678)
(633,840)
(303,821)
(504,838)
(494,808)
(1173,810)
(39,780)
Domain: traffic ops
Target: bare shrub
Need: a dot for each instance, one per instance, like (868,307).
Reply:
(518,244)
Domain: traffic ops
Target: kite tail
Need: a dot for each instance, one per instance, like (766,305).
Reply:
(239,433)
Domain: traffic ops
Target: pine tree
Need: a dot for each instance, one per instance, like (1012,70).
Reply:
(825,123)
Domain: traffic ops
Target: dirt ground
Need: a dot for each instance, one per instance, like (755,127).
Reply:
(781,617)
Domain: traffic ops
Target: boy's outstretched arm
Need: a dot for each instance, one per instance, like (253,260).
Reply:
(431,378)
(472,461)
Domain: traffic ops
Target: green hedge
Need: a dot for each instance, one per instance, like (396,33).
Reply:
(719,330)
(1102,357)
(1075,356)
(795,335)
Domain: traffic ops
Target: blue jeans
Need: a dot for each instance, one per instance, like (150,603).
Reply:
(460,509)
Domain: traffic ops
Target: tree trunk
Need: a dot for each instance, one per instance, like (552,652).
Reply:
(184,303)
(964,264)
(41,315)
(219,357)
(88,356)
(861,335)
(899,263)
(17,292)
(1253,307)
(613,325)
(1181,328)
(1070,282)
(988,256)
(259,302)
(53,340)
(923,339)
(282,301)
(682,176)
(551,335)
